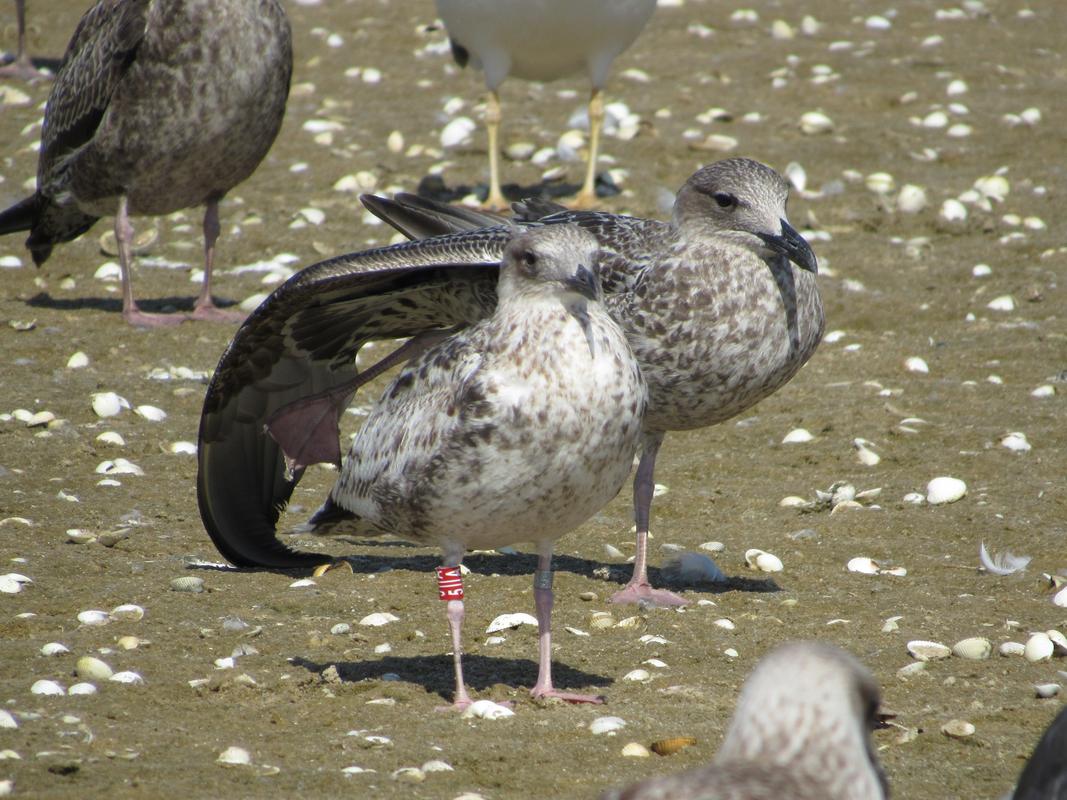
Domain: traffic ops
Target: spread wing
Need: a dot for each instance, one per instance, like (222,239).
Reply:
(301,343)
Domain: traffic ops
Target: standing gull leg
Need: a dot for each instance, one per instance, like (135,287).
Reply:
(543,600)
(130,312)
(204,308)
(450,589)
(496,200)
(21,67)
(639,588)
(586,198)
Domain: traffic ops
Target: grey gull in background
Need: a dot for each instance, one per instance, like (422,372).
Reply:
(720,307)
(801,731)
(517,428)
(1045,775)
(542,40)
(158,106)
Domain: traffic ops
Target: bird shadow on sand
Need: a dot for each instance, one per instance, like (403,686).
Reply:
(159,305)
(434,673)
(434,187)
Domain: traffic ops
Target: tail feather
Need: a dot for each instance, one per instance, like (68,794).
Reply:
(19,217)
(49,224)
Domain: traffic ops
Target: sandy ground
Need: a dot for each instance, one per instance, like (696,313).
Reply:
(896,285)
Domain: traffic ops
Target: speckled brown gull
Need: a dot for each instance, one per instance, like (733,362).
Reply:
(1045,775)
(720,307)
(543,40)
(158,106)
(518,428)
(801,731)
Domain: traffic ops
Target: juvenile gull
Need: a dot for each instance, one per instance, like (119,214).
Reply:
(1045,775)
(801,730)
(518,428)
(158,106)
(542,40)
(720,307)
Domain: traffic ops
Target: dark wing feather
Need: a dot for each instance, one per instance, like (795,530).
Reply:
(303,341)
(1045,774)
(421,218)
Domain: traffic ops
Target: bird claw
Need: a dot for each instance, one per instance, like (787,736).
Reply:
(644,593)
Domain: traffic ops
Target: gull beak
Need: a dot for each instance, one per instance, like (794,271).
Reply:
(793,246)
(584,282)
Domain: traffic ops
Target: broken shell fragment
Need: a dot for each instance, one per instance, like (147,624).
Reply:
(922,650)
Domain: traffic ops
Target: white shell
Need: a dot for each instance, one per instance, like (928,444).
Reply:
(82,688)
(916,364)
(945,489)
(1004,302)
(54,649)
(1016,441)
(7,720)
(608,725)
(12,583)
(78,361)
(92,668)
(725,624)
(126,676)
(958,729)
(1060,598)
(1011,649)
(94,617)
(408,775)
(912,199)
(47,687)
(635,750)
(1059,642)
(120,466)
(814,122)
(108,404)
(797,436)
(638,675)
(151,413)
(188,583)
(182,448)
(922,650)
(301,583)
(1039,647)
(457,131)
(487,709)
(952,210)
(234,756)
(508,621)
(127,612)
(975,648)
(111,437)
(763,561)
(863,565)
(378,619)
(1046,690)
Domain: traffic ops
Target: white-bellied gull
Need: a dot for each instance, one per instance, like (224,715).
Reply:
(158,106)
(720,307)
(542,40)
(802,729)
(517,428)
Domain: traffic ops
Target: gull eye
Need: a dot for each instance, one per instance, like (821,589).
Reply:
(529,257)
(724,200)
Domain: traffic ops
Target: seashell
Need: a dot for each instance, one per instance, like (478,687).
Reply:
(457,131)
(437,766)
(898,572)
(635,750)
(975,648)
(378,619)
(110,437)
(912,199)
(1060,598)
(606,725)
(995,187)
(487,709)
(182,448)
(1012,649)
(353,770)
(713,547)
(383,648)
(54,649)
(128,612)
(891,624)
(94,617)
(730,652)
(958,729)
(150,413)
(1003,303)
(922,650)
(815,122)
(763,561)
(649,638)
(127,676)
(92,668)
(234,757)
(82,688)
(863,565)
(602,619)
(78,360)
(188,583)
(666,747)
(1039,647)
(865,454)
(611,551)
(47,687)
(13,583)
(301,583)
(108,404)
(944,489)
(7,720)
(911,669)
(128,642)
(916,364)
(1059,642)
(628,622)
(952,210)
(880,182)
(340,629)
(638,675)
(508,621)
(655,662)
(39,419)
(725,624)
(792,501)
(408,775)
(914,498)
(797,436)
(120,466)
(1046,690)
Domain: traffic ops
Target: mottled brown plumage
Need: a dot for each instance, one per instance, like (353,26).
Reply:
(801,731)
(720,307)
(158,106)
